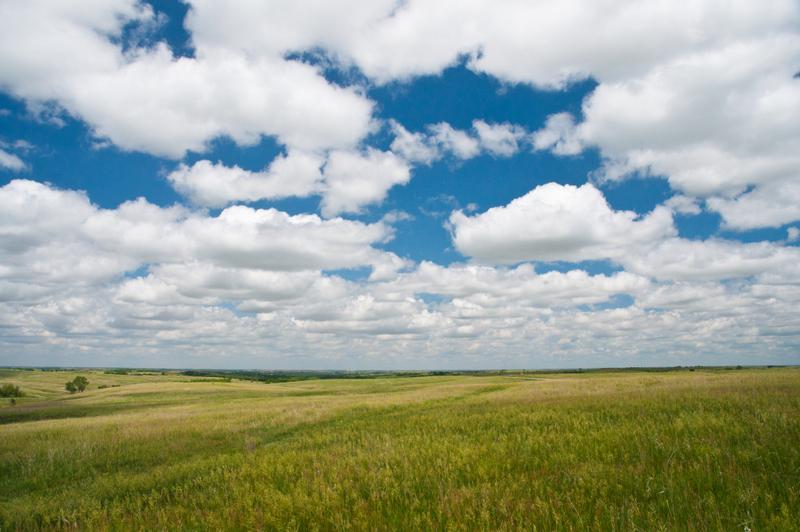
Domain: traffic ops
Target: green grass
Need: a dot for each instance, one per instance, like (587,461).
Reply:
(702,450)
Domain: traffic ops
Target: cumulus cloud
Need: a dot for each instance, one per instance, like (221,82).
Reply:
(53,235)
(413,147)
(713,259)
(395,42)
(770,205)
(558,135)
(713,121)
(455,141)
(657,109)
(347,180)
(492,287)
(683,204)
(268,266)
(216,185)
(705,97)
(442,139)
(557,223)
(499,139)
(566,223)
(354,180)
(145,99)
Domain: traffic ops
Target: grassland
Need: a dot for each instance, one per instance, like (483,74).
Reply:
(701,450)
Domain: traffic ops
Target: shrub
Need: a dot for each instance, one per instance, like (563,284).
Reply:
(10,390)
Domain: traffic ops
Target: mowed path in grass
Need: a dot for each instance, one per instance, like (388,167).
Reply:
(702,450)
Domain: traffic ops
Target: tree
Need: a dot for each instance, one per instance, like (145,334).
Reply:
(78,384)
(81,382)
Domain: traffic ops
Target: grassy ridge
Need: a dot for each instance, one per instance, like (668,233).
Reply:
(613,451)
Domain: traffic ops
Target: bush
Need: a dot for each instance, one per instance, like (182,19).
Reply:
(10,390)
(78,384)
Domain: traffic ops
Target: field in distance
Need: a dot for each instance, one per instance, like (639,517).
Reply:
(677,450)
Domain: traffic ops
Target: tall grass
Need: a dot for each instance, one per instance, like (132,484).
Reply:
(610,451)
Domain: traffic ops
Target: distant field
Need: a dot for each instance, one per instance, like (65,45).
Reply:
(700,450)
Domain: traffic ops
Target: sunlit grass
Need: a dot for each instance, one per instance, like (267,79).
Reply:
(706,450)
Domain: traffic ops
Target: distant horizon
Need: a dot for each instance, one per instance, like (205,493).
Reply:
(406,370)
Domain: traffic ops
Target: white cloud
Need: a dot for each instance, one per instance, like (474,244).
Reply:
(442,139)
(556,223)
(558,135)
(566,223)
(11,161)
(683,204)
(413,147)
(499,139)
(769,205)
(458,142)
(148,100)
(354,180)
(713,259)
(518,41)
(347,180)
(49,235)
(490,287)
(674,121)
(217,185)
(266,265)
(204,283)
(657,109)
(705,97)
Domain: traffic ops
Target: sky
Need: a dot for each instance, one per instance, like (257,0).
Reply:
(425,184)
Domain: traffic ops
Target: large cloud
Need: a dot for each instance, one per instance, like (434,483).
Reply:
(567,223)
(146,99)
(530,42)
(557,223)
(705,97)
(49,235)
(217,185)
(713,259)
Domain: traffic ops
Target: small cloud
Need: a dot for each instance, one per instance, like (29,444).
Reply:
(397,216)
(11,161)
(559,135)
(22,145)
(439,206)
(792,234)
(683,204)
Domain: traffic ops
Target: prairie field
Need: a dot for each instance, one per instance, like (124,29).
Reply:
(708,449)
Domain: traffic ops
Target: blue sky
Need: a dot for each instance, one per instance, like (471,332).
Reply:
(284,189)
